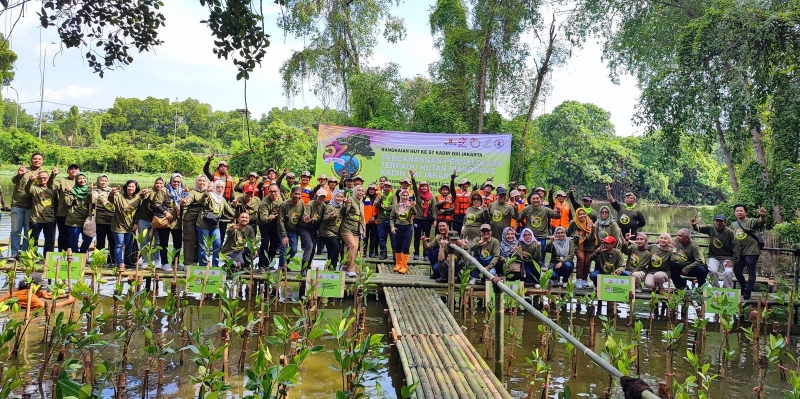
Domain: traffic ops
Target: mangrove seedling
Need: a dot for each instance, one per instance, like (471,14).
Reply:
(206,354)
(671,336)
(538,367)
(702,377)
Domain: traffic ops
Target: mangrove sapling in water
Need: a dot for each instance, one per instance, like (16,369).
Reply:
(618,354)
(206,355)
(209,243)
(702,377)
(354,356)
(539,367)
(671,336)
(11,377)
(773,349)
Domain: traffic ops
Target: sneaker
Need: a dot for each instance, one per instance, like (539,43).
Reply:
(416,257)
(352,274)
(537,286)
(472,281)
(638,290)
(181,267)
(382,257)
(166,267)
(580,284)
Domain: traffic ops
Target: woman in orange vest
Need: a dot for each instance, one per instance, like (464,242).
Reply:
(461,203)
(444,206)
(559,205)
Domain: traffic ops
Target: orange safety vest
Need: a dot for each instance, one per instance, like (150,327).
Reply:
(369,210)
(228,184)
(487,199)
(563,221)
(305,193)
(520,207)
(445,217)
(462,202)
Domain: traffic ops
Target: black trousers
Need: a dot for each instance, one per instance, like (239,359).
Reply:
(421,226)
(332,248)
(63,233)
(371,240)
(48,229)
(104,233)
(163,242)
(270,242)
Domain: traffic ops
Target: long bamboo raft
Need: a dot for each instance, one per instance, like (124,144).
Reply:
(434,351)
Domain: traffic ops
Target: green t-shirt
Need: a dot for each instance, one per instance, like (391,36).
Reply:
(747,245)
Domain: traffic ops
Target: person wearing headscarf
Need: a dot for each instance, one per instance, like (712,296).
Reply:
(562,256)
(509,248)
(402,224)
(214,208)
(78,202)
(104,212)
(353,227)
(329,228)
(127,200)
(308,230)
(529,251)
(607,226)
(424,212)
(582,231)
(192,204)
(167,203)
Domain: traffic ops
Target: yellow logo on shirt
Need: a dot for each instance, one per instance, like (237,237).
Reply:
(536,222)
(656,261)
(294,217)
(497,216)
(624,219)
(634,259)
(717,243)
(471,218)
(740,234)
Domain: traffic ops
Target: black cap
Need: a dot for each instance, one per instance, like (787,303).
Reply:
(501,191)
(453,235)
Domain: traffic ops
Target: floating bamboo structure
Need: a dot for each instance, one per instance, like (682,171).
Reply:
(434,351)
(412,270)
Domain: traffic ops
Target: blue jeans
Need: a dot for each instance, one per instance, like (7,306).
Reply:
(542,243)
(477,273)
(201,235)
(120,240)
(384,229)
(146,224)
(74,233)
(20,224)
(563,272)
(593,275)
(292,249)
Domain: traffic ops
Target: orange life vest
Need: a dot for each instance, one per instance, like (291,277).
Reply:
(487,199)
(369,210)
(563,221)
(444,217)
(305,193)
(520,207)
(462,202)
(228,185)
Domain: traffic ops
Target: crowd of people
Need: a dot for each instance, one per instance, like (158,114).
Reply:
(509,230)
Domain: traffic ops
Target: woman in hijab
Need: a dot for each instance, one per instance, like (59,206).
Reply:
(562,256)
(581,229)
(214,208)
(509,248)
(192,204)
(606,226)
(104,212)
(424,212)
(401,222)
(529,251)
(167,203)
(78,201)
(474,217)
(353,227)
(658,271)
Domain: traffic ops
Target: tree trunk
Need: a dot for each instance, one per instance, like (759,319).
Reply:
(541,74)
(726,155)
(482,78)
(755,133)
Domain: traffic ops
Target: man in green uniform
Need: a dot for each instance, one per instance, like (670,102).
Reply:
(687,260)
(748,246)
(630,218)
(21,204)
(720,250)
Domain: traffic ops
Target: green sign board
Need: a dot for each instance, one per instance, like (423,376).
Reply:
(75,267)
(197,274)
(731,305)
(329,284)
(613,288)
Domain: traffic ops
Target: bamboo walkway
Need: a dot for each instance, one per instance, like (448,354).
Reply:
(413,270)
(434,351)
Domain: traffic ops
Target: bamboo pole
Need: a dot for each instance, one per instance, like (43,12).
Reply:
(499,332)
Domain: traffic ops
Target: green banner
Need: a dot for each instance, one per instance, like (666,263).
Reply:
(75,267)
(728,300)
(433,156)
(613,288)
(329,284)
(196,276)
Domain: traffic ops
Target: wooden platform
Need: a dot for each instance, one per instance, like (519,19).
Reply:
(434,351)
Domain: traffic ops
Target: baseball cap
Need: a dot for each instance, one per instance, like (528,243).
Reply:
(333,178)
(222,163)
(348,178)
(254,174)
(610,240)
(271,170)
(587,198)
(424,183)
(539,189)
(447,186)
(322,176)
(305,173)
(322,193)
(630,193)
(463,181)
(405,180)
(561,193)
(290,174)
(501,191)
(387,183)
(248,190)
(485,226)
(453,235)
(719,217)
(372,185)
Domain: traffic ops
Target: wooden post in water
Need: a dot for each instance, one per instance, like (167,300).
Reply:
(451,277)
(499,331)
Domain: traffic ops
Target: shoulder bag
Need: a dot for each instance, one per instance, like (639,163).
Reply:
(90,225)
(757,237)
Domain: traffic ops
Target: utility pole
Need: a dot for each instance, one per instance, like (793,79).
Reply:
(16,117)
(175,133)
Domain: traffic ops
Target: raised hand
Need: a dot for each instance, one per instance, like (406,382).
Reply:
(55,171)
(694,220)
(762,211)
(21,170)
(210,157)
(608,187)
(411,172)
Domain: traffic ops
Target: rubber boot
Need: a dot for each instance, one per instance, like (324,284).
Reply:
(397,262)
(403,263)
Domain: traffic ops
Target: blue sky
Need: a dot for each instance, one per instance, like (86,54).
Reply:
(184,66)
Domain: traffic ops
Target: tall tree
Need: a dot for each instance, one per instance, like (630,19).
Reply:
(7,59)
(339,37)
